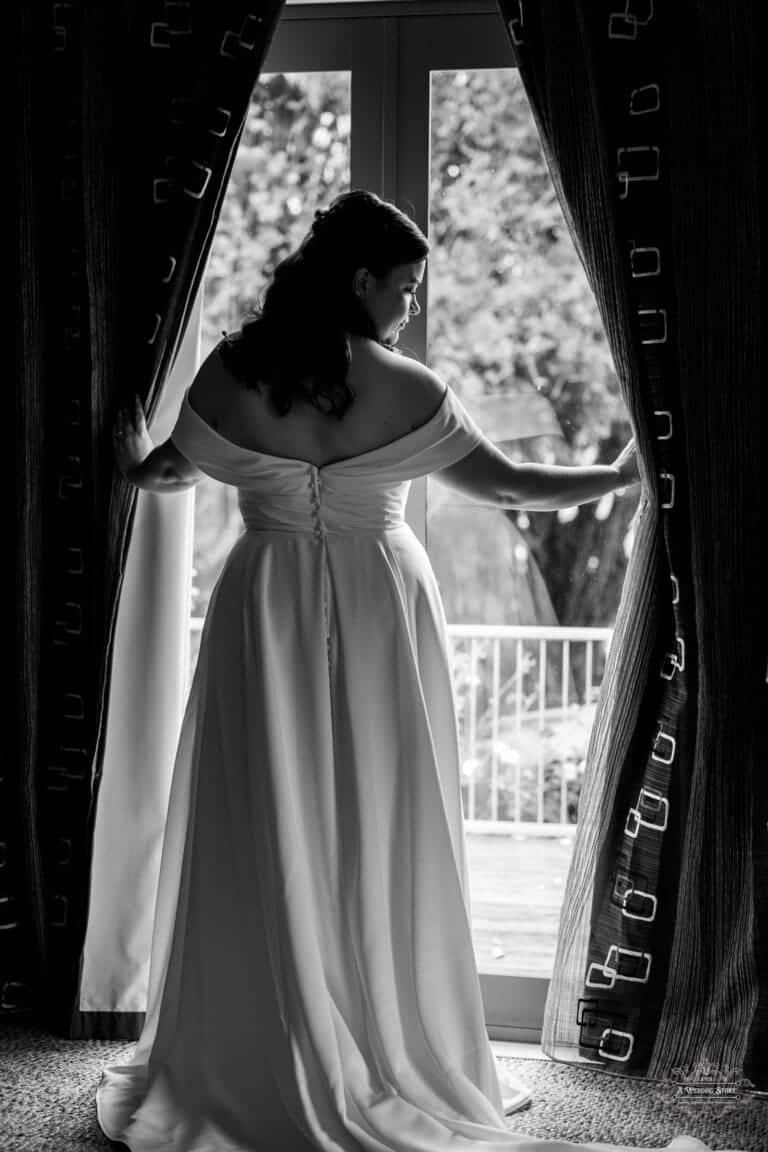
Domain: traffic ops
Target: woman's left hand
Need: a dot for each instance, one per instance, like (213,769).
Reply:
(131,441)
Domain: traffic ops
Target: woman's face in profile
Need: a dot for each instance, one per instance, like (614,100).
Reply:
(391,302)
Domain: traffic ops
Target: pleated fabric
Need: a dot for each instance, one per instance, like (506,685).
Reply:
(648,121)
(312,978)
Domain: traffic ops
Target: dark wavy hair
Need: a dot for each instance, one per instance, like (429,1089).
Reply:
(301,326)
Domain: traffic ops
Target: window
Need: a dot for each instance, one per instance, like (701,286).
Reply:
(421,102)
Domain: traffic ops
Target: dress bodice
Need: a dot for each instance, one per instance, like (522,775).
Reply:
(363,493)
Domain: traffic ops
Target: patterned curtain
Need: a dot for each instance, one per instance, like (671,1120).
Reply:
(647,116)
(129,118)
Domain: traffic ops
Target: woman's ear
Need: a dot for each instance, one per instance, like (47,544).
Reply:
(359,281)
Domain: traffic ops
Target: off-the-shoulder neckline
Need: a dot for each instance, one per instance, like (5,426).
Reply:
(308,463)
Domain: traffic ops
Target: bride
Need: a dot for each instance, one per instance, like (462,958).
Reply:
(312,979)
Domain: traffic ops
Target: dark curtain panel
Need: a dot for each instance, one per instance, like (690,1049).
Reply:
(128,119)
(647,117)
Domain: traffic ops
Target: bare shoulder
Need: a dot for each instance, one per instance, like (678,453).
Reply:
(418,390)
(211,383)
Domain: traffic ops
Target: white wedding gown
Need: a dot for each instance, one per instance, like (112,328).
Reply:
(312,980)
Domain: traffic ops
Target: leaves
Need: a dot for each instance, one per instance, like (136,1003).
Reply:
(510,308)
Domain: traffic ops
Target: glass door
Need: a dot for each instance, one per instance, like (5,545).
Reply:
(421,102)
(530,598)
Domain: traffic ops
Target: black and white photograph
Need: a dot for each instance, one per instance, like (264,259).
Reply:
(390,656)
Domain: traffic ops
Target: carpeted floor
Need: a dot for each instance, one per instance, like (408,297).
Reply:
(47,1088)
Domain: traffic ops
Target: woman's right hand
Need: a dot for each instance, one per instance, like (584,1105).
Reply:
(626,462)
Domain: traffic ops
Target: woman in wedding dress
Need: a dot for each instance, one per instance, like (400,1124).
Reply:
(312,977)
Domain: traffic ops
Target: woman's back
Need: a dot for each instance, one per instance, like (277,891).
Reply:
(393,395)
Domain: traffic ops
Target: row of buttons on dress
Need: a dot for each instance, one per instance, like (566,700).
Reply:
(314,485)
(320,533)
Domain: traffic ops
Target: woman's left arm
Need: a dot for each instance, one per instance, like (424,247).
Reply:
(158,468)
(165,470)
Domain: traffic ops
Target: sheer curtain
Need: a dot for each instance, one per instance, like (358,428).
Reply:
(145,708)
(647,117)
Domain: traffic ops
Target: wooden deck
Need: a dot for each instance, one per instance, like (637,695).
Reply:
(516,886)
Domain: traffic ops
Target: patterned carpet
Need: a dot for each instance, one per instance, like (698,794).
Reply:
(47,1088)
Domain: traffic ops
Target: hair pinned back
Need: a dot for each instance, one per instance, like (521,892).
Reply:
(300,330)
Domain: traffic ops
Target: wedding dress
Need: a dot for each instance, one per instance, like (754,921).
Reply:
(313,982)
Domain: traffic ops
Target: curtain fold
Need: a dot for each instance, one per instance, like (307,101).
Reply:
(647,118)
(130,116)
(148,691)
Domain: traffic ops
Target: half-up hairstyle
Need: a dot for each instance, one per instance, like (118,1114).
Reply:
(301,326)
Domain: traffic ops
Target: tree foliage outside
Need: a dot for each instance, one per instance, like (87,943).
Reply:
(510,311)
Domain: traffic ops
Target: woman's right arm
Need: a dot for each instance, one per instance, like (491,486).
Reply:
(486,475)
(545,487)
(490,477)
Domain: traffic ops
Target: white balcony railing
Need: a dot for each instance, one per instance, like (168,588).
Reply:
(525,699)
